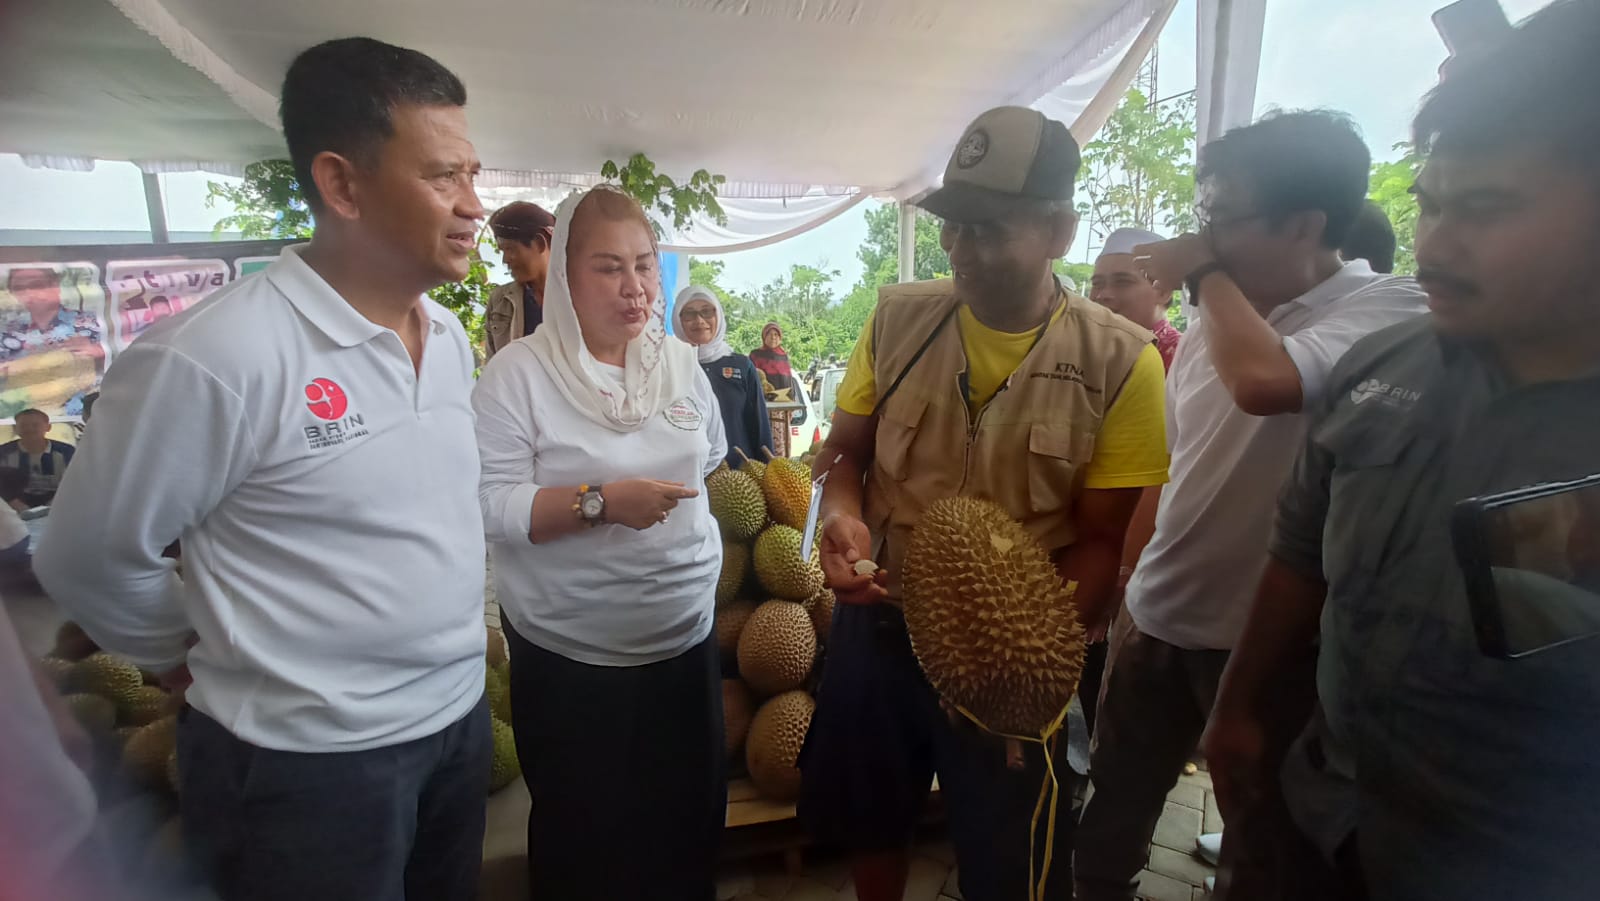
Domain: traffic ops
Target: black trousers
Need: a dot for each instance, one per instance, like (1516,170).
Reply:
(627,771)
(402,823)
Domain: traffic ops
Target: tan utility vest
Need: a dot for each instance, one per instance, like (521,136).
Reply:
(1026,450)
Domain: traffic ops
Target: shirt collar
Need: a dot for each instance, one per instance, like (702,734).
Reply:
(1351,277)
(316,300)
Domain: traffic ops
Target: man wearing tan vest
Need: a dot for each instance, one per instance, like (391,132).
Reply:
(995,383)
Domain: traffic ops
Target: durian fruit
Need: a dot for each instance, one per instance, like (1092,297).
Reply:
(737,504)
(991,622)
(121,734)
(495,640)
(738,708)
(151,679)
(755,469)
(735,566)
(57,669)
(773,745)
(820,606)
(112,678)
(498,691)
(146,705)
(779,567)
(144,758)
(787,485)
(72,643)
(96,714)
(722,467)
(729,625)
(504,768)
(777,648)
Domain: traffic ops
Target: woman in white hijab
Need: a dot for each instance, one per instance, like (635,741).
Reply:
(733,377)
(596,432)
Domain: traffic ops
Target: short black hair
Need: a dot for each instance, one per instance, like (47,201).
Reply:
(340,96)
(1295,162)
(1371,238)
(30,412)
(1536,86)
(11,277)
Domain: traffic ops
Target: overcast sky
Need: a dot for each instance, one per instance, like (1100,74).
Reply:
(1373,59)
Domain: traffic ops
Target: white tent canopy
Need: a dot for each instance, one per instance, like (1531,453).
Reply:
(805,105)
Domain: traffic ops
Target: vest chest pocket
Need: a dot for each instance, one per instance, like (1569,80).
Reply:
(897,429)
(1057,456)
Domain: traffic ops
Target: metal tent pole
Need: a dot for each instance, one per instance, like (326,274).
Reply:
(156,208)
(908,242)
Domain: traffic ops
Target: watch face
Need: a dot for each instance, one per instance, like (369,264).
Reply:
(592,505)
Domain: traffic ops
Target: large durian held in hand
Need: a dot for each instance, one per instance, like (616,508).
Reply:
(991,622)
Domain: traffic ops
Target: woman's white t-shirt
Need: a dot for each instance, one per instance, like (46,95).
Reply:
(610,595)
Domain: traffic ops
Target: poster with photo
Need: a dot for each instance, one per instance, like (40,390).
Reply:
(67,310)
(53,336)
(144,292)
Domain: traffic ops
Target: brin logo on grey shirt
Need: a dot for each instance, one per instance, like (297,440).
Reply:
(1396,397)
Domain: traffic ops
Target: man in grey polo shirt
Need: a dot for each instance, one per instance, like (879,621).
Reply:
(1472,776)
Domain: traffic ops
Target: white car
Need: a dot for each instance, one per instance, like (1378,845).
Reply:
(802,428)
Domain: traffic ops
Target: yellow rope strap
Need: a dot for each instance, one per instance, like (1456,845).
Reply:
(1050,789)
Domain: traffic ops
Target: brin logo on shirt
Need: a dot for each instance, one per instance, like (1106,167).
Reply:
(1396,397)
(328,402)
(683,414)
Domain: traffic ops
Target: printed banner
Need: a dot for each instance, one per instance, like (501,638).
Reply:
(143,292)
(66,312)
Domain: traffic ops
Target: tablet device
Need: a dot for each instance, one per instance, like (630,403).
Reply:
(1531,560)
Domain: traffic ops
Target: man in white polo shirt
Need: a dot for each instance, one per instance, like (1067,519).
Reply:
(308,433)
(1277,308)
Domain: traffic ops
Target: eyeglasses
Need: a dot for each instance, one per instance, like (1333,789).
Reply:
(709,314)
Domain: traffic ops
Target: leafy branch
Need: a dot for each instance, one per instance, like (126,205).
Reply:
(662,197)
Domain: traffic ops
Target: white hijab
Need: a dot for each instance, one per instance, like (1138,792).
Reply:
(717,347)
(656,371)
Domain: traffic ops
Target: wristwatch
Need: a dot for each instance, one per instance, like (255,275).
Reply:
(591,504)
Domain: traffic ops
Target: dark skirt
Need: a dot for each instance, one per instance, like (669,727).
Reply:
(627,772)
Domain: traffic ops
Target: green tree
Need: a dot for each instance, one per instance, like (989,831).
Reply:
(880,252)
(1390,189)
(266,203)
(803,305)
(708,273)
(1139,171)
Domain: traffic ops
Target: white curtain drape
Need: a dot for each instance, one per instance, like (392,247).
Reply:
(1228,63)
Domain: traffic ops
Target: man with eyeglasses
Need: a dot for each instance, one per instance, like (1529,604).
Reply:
(1277,308)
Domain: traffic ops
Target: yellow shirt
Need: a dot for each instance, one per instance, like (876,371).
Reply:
(1131,449)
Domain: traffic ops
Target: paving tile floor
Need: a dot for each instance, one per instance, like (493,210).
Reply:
(1173,873)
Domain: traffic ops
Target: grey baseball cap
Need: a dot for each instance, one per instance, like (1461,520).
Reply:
(1009,156)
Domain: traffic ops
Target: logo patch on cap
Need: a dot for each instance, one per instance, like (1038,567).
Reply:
(974,147)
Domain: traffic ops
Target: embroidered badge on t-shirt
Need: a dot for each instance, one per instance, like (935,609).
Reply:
(728,372)
(683,414)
